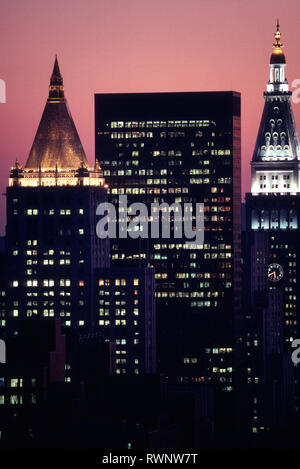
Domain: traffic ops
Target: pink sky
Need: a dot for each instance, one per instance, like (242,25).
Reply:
(136,46)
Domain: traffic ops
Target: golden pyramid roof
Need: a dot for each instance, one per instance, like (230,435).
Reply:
(56,143)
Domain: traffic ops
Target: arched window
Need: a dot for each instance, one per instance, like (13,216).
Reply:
(274,220)
(254,220)
(284,222)
(265,219)
(293,221)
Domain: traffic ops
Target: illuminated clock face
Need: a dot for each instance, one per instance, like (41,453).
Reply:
(275,272)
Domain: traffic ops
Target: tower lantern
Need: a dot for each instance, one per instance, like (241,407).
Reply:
(278,81)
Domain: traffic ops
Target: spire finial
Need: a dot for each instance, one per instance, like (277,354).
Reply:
(277,43)
(56,88)
(56,78)
(277,56)
(17,164)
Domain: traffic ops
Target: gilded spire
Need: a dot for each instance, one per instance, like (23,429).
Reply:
(277,56)
(56,88)
(277,42)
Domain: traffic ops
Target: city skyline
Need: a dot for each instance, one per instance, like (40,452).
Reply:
(127,322)
(112,68)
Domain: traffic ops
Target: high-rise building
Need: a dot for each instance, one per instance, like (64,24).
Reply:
(182,148)
(54,258)
(51,242)
(271,256)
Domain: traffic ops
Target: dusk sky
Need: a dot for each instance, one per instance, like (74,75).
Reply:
(117,46)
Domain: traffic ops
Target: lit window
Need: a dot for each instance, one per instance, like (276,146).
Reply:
(65,282)
(14,382)
(48,283)
(33,211)
(14,399)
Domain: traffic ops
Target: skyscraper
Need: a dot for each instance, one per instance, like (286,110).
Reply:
(54,258)
(51,242)
(181,147)
(271,256)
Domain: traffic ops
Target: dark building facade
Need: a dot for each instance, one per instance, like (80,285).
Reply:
(271,256)
(126,305)
(182,148)
(36,359)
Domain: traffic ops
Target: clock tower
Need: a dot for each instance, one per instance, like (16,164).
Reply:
(272,254)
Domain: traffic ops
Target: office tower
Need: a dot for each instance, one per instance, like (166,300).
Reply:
(181,147)
(53,253)
(51,243)
(126,306)
(271,255)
